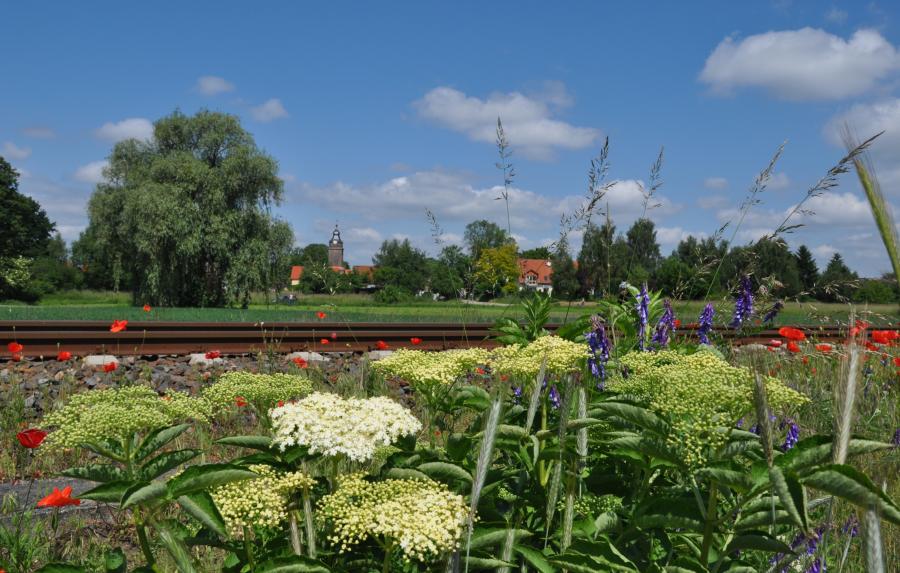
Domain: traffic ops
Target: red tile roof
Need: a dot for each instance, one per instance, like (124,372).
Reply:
(540,268)
(296,272)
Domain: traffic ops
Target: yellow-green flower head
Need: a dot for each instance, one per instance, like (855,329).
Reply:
(331,425)
(421,368)
(117,413)
(524,362)
(699,393)
(258,502)
(266,389)
(424,518)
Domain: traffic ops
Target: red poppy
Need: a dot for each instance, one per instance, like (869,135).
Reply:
(677,323)
(239,400)
(775,343)
(806,359)
(334,335)
(897,361)
(812,370)
(381,345)
(479,371)
(118,325)
(280,403)
(415,341)
(300,362)
(17,357)
(110,366)
(321,315)
(15,347)
(884,336)
(147,308)
(793,346)
(871,347)
(504,377)
(64,355)
(823,347)
(31,438)
(325,341)
(213,354)
(59,498)
(791,333)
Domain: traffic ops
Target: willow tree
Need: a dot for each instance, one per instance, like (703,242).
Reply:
(184,218)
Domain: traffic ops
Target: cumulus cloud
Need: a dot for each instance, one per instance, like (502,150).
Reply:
(824,252)
(712,202)
(39,132)
(716,183)
(269,111)
(213,85)
(131,128)
(66,205)
(92,172)
(805,64)
(528,121)
(778,181)
(12,151)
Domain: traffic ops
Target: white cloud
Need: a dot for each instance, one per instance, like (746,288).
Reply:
(712,202)
(669,237)
(269,111)
(836,15)
(92,172)
(131,128)
(39,132)
(778,181)
(865,120)
(805,64)
(830,209)
(12,151)
(527,121)
(824,252)
(213,85)
(716,183)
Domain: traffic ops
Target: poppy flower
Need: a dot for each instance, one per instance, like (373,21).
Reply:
(110,366)
(280,403)
(321,315)
(884,336)
(118,325)
(812,370)
(791,333)
(415,341)
(504,377)
(64,355)
(59,498)
(775,343)
(15,347)
(147,308)
(806,359)
(823,347)
(17,357)
(213,354)
(897,361)
(300,362)
(871,347)
(479,371)
(239,400)
(381,345)
(793,346)
(325,341)
(31,438)
(677,323)
(334,335)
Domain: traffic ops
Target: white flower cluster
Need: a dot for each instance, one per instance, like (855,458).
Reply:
(331,425)
(424,518)
(421,368)
(258,502)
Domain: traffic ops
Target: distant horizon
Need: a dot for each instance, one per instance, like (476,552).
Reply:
(375,131)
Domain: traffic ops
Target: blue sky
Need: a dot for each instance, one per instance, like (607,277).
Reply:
(376,112)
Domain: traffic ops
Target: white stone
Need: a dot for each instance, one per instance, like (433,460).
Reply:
(379,354)
(100,360)
(201,360)
(308,356)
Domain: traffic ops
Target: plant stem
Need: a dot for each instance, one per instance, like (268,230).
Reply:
(296,542)
(710,523)
(142,538)
(388,553)
(310,524)
(248,549)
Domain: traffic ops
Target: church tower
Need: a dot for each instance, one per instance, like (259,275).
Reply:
(336,249)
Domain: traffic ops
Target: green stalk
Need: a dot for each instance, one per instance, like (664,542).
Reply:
(310,524)
(248,549)
(142,538)
(880,212)
(388,553)
(296,541)
(711,514)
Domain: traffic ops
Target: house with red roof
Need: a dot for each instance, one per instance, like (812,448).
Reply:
(536,274)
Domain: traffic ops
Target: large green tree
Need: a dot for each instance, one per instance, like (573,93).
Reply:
(311,254)
(602,260)
(184,218)
(536,253)
(807,269)
(451,273)
(565,275)
(25,230)
(643,250)
(838,282)
(482,234)
(401,265)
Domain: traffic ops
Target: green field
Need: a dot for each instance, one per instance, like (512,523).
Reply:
(362,308)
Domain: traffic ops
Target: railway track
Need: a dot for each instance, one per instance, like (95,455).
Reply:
(147,338)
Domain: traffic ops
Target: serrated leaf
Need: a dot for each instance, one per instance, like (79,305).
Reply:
(489,537)
(167,461)
(579,423)
(111,492)
(157,439)
(733,479)
(201,507)
(757,541)
(634,414)
(445,471)
(176,547)
(143,493)
(848,483)
(816,450)
(792,495)
(103,473)
(486,562)
(535,558)
(263,443)
(203,477)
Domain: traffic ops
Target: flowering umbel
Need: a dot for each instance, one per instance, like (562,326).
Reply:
(643,310)
(705,323)
(665,326)
(599,347)
(743,305)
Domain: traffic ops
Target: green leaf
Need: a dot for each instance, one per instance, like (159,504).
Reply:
(848,483)
(167,461)
(176,547)
(60,568)
(489,537)
(115,562)
(579,423)
(111,492)
(792,495)
(817,450)
(510,432)
(757,541)
(535,558)
(293,564)
(485,562)
(102,473)
(670,513)
(634,414)
(157,439)
(263,443)
(739,481)
(405,473)
(144,493)
(458,446)
(203,477)
(200,506)
(444,471)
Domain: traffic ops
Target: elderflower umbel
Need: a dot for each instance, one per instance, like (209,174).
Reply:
(258,502)
(428,369)
(118,413)
(267,389)
(331,425)
(424,518)
(524,362)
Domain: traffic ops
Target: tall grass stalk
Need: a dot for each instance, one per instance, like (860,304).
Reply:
(485,455)
(844,397)
(872,546)
(535,396)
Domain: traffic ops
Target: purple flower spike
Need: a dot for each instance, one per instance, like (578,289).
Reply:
(792,437)
(554,396)
(599,348)
(705,323)
(743,305)
(773,312)
(665,326)
(896,439)
(643,310)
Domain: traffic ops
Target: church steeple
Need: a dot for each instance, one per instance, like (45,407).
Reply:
(336,249)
